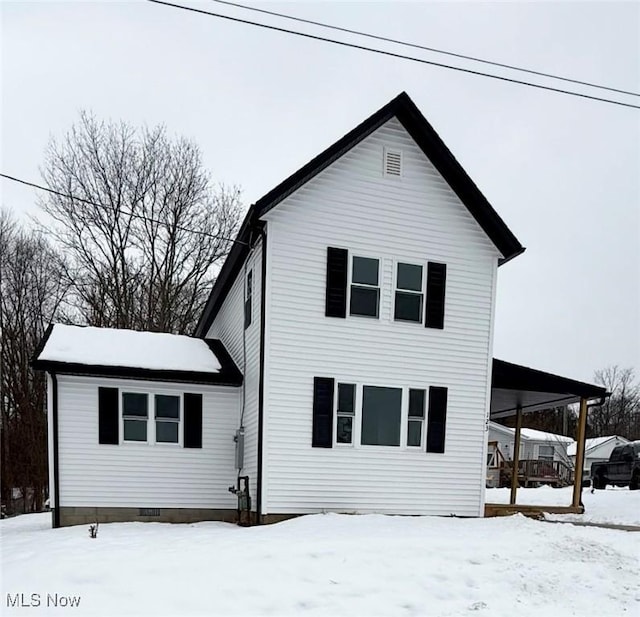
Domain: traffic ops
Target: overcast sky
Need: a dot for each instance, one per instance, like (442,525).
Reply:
(563,172)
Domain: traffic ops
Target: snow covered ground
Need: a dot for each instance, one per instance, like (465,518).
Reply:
(324,565)
(618,506)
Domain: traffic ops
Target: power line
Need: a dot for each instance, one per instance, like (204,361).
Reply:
(423,47)
(391,54)
(127,212)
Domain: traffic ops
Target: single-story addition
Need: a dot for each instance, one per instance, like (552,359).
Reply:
(343,361)
(597,450)
(139,423)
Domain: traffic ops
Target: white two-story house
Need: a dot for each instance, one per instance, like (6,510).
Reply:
(346,363)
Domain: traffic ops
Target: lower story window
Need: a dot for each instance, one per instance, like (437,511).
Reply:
(167,418)
(345,412)
(135,413)
(381,416)
(416,417)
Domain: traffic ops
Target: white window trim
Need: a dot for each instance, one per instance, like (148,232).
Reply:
(151,417)
(410,262)
(352,255)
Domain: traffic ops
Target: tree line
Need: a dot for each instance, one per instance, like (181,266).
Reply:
(131,237)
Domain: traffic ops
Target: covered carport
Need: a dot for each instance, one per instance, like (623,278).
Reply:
(517,390)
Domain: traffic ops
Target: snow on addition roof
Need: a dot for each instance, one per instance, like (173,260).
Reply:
(128,348)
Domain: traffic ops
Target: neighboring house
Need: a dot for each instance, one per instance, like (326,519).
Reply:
(358,302)
(597,450)
(534,444)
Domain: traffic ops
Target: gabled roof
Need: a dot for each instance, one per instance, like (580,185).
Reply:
(405,110)
(129,354)
(596,442)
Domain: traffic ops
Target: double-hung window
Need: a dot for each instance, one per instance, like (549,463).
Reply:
(135,414)
(546,453)
(345,413)
(365,286)
(409,296)
(167,418)
(415,417)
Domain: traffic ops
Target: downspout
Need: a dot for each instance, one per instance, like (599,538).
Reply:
(56,472)
(263,302)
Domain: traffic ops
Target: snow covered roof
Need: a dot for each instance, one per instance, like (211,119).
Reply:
(536,435)
(532,434)
(128,353)
(594,442)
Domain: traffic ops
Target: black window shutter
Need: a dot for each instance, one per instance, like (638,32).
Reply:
(108,416)
(322,412)
(192,420)
(437,419)
(336,295)
(436,283)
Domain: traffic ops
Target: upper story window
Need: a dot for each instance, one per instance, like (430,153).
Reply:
(353,283)
(365,287)
(409,294)
(248,299)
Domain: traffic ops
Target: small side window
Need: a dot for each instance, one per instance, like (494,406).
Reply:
(365,287)
(135,413)
(248,299)
(345,413)
(416,417)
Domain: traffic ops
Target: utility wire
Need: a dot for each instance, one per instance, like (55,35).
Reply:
(391,54)
(423,47)
(127,212)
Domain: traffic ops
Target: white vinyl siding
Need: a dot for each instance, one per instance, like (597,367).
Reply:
(144,475)
(228,326)
(416,219)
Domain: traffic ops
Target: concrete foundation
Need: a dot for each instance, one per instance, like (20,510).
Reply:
(85,516)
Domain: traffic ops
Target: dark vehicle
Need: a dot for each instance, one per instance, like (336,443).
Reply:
(623,468)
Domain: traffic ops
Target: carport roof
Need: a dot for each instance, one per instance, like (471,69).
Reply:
(513,386)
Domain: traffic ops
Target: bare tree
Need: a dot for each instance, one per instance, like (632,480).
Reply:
(620,414)
(142,224)
(31,289)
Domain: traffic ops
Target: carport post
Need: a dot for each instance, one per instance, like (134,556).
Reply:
(580,439)
(516,457)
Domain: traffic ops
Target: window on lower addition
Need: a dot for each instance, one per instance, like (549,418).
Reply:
(409,295)
(345,413)
(135,413)
(381,416)
(416,417)
(365,287)
(167,418)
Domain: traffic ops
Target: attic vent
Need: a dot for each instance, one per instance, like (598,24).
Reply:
(392,162)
